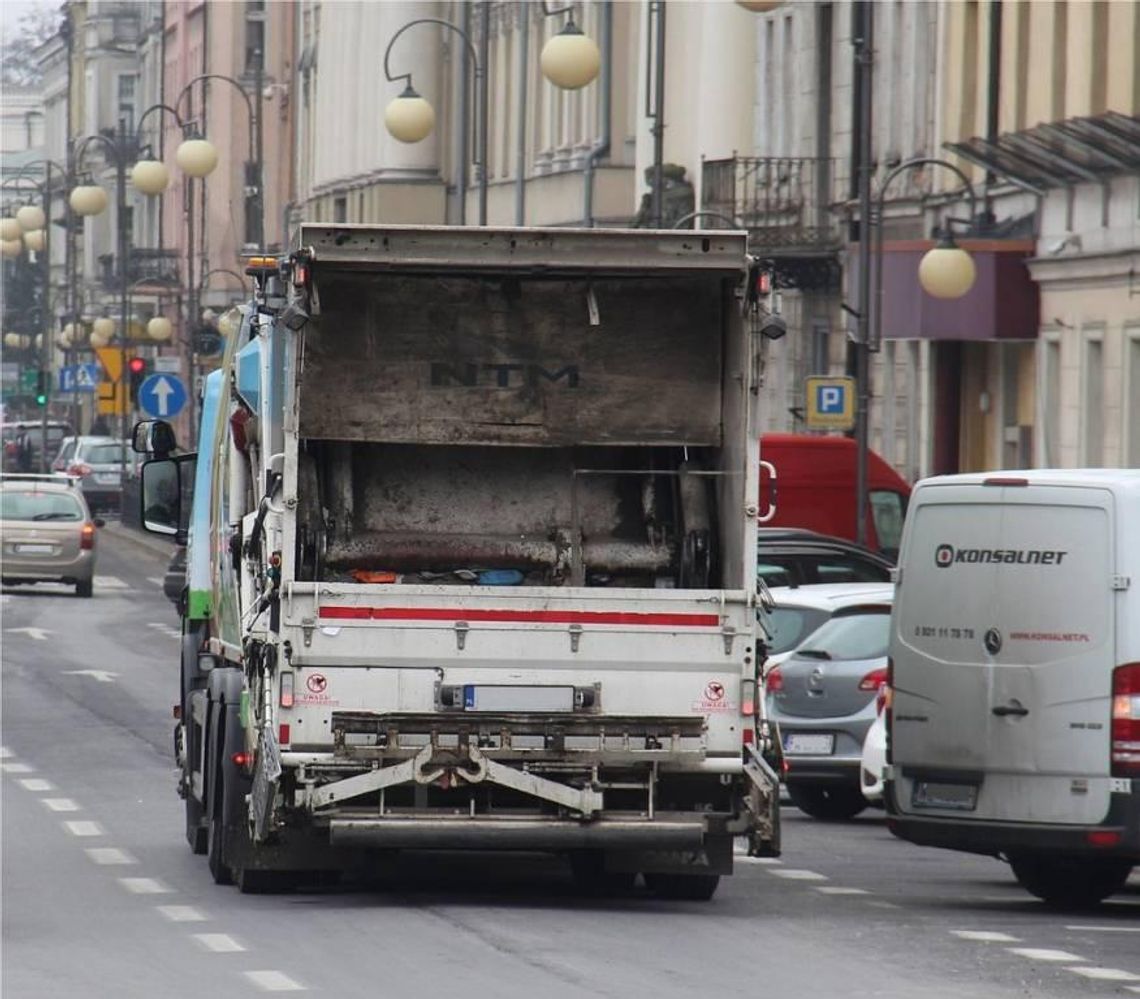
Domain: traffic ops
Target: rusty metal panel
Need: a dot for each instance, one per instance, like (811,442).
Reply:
(436,359)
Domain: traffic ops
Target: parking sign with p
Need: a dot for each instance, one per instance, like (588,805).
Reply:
(830,403)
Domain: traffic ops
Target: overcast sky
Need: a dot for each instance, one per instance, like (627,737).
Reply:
(12,10)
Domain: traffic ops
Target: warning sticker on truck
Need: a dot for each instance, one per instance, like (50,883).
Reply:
(714,698)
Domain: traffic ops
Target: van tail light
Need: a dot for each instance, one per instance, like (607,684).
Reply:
(87,536)
(79,469)
(775,682)
(1126,720)
(874,680)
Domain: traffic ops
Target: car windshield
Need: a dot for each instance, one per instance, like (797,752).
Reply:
(31,505)
(788,626)
(861,635)
(104,454)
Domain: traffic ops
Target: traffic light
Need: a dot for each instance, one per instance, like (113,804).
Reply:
(137,369)
(42,378)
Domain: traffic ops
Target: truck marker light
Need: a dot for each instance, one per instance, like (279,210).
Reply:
(748,736)
(748,698)
(241,760)
(283,734)
(286,688)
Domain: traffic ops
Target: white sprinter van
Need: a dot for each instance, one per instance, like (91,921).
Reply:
(1015,664)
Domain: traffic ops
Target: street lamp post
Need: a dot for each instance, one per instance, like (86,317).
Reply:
(569,60)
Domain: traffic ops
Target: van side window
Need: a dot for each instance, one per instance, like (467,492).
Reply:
(888,509)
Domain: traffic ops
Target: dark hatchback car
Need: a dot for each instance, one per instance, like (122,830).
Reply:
(792,557)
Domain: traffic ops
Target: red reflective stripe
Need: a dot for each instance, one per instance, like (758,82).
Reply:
(543,616)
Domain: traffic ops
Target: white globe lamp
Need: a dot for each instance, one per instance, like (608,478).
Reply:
(11,248)
(35,240)
(31,217)
(150,176)
(409,117)
(947,271)
(159,329)
(196,157)
(10,229)
(570,59)
(88,199)
(103,328)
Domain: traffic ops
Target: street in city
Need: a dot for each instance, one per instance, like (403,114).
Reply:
(102,896)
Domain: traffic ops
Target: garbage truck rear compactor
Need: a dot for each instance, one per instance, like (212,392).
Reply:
(471,558)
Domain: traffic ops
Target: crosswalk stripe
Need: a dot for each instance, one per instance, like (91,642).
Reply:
(155,580)
(110,583)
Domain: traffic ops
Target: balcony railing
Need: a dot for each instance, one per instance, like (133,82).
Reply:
(783,202)
(160,267)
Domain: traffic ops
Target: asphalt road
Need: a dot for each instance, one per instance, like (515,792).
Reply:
(102,897)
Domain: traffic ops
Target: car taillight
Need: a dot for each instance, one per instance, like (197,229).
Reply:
(874,680)
(87,536)
(79,469)
(1126,720)
(775,682)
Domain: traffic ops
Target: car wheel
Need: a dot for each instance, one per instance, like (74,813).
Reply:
(1069,882)
(84,588)
(683,887)
(829,803)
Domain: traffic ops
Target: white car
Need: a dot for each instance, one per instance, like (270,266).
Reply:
(875,752)
(799,610)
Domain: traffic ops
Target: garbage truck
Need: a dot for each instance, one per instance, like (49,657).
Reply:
(470,532)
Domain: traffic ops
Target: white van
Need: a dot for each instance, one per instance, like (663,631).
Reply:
(1015,665)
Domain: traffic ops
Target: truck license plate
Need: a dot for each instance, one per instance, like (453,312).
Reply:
(491,697)
(809,744)
(935,794)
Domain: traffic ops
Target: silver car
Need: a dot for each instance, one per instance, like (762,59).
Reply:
(98,464)
(47,533)
(822,697)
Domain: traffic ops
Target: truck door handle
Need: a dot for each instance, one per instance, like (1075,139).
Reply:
(1005,710)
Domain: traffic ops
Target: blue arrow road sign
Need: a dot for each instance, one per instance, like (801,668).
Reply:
(78,377)
(162,395)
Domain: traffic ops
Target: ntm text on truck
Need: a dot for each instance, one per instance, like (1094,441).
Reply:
(471,558)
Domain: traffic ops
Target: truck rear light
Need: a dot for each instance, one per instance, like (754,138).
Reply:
(748,735)
(87,537)
(241,760)
(748,698)
(283,734)
(775,682)
(287,688)
(1126,720)
(875,679)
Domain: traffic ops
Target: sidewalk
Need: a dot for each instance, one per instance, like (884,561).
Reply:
(154,543)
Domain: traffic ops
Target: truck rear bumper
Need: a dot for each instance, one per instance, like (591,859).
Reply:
(462,833)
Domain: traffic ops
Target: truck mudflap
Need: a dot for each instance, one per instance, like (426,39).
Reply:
(762,801)
(266,776)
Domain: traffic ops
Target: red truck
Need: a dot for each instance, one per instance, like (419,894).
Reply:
(808,481)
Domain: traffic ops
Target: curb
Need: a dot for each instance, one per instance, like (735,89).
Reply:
(151,543)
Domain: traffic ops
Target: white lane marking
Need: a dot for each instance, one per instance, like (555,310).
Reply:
(794,875)
(155,579)
(768,861)
(166,629)
(83,828)
(60,804)
(99,675)
(182,913)
(17,768)
(884,905)
(987,936)
(36,784)
(5,752)
(837,890)
(1105,974)
(111,583)
(1105,929)
(219,943)
(274,981)
(39,634)
(1132,988)
(109,855)
(144,886)
(1045,954)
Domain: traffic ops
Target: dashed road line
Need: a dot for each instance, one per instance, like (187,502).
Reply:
(219,943)
(155,579)
(274,981)
(17,768)
(5,753)
(884,905)
(1105,974)
(1045,954)
(83,828)
(36,784)
(770,861)
(838,890)
(144,886)
(182,913)
(1104,929)
(61,804)
(109,856)
(985,936)
(111,583)
(791,874)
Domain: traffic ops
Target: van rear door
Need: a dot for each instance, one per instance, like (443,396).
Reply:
(1003,647)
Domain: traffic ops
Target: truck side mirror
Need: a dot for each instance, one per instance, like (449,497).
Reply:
(160,495)
(153,437)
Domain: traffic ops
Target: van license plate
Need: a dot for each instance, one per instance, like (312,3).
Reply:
(934,794)
(809,744)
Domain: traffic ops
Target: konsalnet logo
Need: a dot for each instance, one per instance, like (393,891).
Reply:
(947,555)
